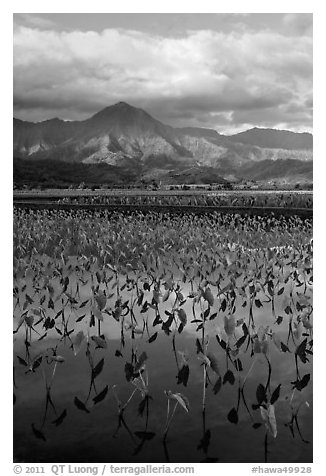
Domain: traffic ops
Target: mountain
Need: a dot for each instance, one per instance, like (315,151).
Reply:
(274,139)
(132,143)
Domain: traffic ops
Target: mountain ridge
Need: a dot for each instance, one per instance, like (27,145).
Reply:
(129,138)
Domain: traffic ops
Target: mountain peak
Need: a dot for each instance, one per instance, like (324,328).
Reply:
(122,104)
(274,138)
(118,111)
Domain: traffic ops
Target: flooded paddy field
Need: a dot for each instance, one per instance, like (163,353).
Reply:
(162,338)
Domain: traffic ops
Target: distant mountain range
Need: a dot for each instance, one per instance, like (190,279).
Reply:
(134,146)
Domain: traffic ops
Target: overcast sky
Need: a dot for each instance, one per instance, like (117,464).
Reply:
(228,72)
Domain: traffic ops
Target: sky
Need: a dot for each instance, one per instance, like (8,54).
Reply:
(228,72)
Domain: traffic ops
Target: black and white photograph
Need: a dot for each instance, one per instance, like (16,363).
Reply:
(162,240)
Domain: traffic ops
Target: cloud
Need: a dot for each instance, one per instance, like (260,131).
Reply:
(298,23)
(236,76)
(32,20)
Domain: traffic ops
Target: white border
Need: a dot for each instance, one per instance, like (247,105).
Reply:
(6,113)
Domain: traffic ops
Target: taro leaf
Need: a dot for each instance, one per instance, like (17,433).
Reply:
(156,297)
(301,351)
(212,316)
(29,320)
(183,375)
(300,384)
(229,325)
(306,323)
(240,341)
(100,342)
(261,394)
(166,296)
(140,361)
(268,415)
(288,310)
(180,328)
(256,425)
(221,342)
(213,363)
(166,325)
(39,434)
(218,385)
(80,405)
(279,320)
(97,313)
(239,322)
(157,320)
(36,363)
(65,284)
(199,347)
(208,296)
(71,299)
(238,365)
(49,323)
(97,369)
(140,298)
(60,419)
(83,304)
(233,416)
(245,329)
(118,353)
(229,377)
(145,307)
(21,361)
(180,297)
(29,299)
(280,291)
(223,305)
(258,303)
(100,299)
(152,338)
(275,394)
(80,318)
(270,287)
(206,313)
(145,435)
(79,338)
(182,316)
(181,399)
(129,371)
(284,348)
(99,397)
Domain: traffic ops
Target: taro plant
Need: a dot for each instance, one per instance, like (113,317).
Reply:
(179,400)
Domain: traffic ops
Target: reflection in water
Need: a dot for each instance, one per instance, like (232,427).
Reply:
(117,368)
